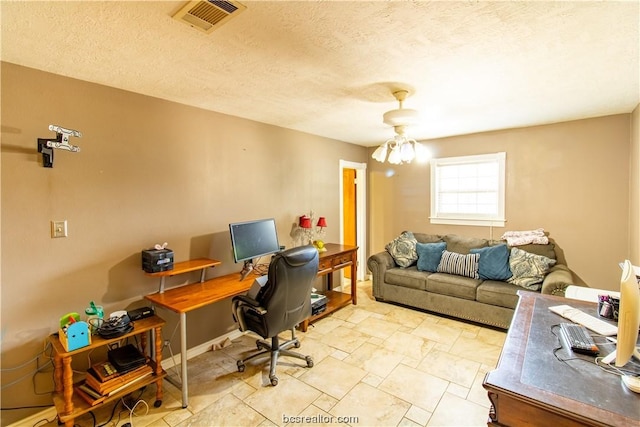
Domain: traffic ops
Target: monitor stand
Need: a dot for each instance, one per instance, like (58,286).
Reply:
(246,270)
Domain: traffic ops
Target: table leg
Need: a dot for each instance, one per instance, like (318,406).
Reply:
(354,275)
(57,373)
(67,384)
(183,358)
(157,337)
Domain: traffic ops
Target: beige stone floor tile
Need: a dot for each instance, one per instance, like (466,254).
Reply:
(410,345)
(492,336)
(476,350)
(325,402)
(357,315)
(370,407)
(450,367)
(440,333)
(372,379)
(315,416)
(455,412)
(227,411)
(333,377)
(406,422)
(477,393)
(377,327)
(290,397)
(373,359)
(458,390)
(327,325)
(405,317)
(418,415)
(345,339)
(414,386)
(339,354)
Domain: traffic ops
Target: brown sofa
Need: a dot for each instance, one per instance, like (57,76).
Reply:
(490,302)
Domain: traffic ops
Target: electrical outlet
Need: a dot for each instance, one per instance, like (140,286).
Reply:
(59,228)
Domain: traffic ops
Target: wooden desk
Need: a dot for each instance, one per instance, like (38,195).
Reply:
(531,387)
(335,258)
(186,298)
(190,297)
(68,405)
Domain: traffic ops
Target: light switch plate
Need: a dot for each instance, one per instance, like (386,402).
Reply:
(59,228)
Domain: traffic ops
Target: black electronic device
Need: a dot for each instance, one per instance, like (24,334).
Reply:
(157,260)
(318,303)
(140,313)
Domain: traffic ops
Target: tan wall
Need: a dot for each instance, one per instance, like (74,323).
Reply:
(634,189)
(149,171)
(572,179)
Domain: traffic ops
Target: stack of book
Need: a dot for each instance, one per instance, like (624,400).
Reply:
(104,380)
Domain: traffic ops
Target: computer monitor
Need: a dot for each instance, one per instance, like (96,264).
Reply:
(628,316)
(253,239)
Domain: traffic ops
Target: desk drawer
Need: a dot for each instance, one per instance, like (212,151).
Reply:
(324,266)
(341,261)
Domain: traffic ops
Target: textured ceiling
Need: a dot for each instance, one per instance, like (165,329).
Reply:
(328,68)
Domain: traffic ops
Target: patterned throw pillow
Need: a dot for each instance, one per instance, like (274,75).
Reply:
(528,269)
(494,262)
(462,265)
(429,255)
(403,249)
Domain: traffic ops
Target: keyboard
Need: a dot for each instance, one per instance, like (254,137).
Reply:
(598,326)
(578,339)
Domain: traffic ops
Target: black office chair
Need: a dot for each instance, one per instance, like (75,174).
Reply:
(281,304)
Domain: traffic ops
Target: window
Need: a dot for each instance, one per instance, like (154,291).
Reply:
(468,190)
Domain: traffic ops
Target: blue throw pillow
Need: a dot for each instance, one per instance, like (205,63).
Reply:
(429,255)
(494,262)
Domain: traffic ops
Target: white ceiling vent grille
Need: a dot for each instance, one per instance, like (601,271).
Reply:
(208,15)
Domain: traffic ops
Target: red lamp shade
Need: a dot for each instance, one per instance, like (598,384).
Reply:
(305,222)
(322,222)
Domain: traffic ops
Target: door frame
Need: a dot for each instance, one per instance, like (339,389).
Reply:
(361,212)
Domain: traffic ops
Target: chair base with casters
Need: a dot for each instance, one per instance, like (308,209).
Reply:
(276,349)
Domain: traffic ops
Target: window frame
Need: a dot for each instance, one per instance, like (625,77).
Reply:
(458,218)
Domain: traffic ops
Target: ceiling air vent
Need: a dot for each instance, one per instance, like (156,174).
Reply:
(208,15)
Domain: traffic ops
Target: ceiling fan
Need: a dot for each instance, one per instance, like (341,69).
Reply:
(401,148)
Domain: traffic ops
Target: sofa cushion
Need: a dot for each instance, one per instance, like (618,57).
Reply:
(403,249)
(528,269)
(407,277)
(494,262)
(543,250)
(453,285)
(429,255)
(498,293)
(462,265)
(462,245)
(427,238)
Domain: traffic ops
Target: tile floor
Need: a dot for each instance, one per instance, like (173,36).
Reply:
(375,364)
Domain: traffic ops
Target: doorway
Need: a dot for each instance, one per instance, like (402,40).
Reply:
(352,211)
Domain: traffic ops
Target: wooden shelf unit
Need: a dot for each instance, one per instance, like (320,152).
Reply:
(185,267)
(68,404)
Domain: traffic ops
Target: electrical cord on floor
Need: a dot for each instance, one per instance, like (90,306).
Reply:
(132,409)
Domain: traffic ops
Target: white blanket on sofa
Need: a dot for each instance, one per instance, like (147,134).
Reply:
(517,238)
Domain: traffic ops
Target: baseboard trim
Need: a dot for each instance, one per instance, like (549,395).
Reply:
(50,413)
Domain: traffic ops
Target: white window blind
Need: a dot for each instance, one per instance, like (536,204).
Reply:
(468,190)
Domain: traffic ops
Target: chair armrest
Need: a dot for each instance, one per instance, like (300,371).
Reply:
(557,281)
(246,300)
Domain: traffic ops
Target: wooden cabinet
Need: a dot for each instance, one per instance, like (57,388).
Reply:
(68,405)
